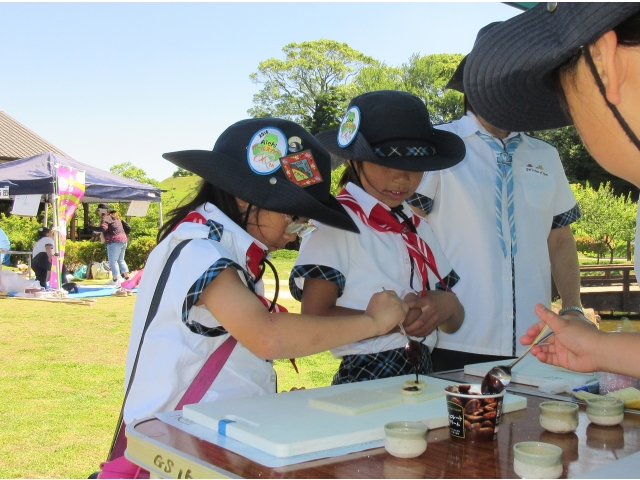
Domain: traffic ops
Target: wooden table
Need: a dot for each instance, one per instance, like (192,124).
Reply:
(171,453)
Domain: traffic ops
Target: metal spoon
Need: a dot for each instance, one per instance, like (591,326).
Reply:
(499,376)
(413,349)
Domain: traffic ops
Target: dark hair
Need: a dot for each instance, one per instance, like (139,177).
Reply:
(628,33)
(351,173)
(114,214)
(467,105)
(207,193)
(42,232)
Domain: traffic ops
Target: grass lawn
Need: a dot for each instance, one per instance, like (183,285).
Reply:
(61,381)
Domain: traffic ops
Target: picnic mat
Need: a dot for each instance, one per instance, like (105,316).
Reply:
(85,291)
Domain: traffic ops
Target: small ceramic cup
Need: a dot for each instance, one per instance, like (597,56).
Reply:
(537,460)
(559,417)
(605,411)
(405,439)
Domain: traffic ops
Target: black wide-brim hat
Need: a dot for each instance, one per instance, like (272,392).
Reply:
(394,130)
(509,75)
(456,81)
(228,168)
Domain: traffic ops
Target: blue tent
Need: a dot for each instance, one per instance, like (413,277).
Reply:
(36,175)
(4,244)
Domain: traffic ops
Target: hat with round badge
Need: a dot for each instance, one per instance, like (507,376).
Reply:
(508,75)
(274,164)
(393,129)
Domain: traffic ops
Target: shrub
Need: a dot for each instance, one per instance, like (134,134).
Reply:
(81,253)
(22,233)
(138,251)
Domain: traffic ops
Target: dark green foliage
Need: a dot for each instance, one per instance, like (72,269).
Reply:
(138,251)
(83,253)
(22,233)
(579,166)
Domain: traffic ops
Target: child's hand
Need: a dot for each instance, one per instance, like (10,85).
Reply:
(437,308)
(574,344)
(387,309)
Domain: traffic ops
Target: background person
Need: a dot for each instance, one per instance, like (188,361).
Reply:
(42,255)
(504,242)
(558,64)
(116,241)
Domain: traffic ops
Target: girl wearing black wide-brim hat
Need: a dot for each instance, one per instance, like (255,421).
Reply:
(555,65)
(388,142)
(262,183)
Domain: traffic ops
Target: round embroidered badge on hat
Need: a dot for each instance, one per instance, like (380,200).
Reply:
(265,149)
(349,127)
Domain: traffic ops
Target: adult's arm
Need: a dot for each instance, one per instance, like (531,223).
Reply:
(564,266)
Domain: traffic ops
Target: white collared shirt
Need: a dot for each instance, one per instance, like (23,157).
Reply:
(463,217)
(172,354)
(365,263)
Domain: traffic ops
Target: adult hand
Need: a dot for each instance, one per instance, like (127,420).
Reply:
(574,344)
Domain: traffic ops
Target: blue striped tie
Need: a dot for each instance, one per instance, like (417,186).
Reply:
(503,156)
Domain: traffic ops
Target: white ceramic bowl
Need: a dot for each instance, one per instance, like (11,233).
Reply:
(405,439)
(606,411)
(537,460)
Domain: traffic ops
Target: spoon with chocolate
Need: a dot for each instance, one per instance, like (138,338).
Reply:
(413,349)
(499,376)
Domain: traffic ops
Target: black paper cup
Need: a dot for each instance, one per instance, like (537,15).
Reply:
(473,416)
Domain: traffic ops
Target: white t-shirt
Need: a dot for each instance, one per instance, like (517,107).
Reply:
(363,264)
(463,217)
(41,245)
(172,352)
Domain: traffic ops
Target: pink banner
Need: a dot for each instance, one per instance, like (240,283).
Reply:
(70,191)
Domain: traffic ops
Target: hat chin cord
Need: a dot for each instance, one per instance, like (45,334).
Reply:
(612,107)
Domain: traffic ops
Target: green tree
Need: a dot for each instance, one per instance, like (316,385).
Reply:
(129,170)
(578,165)
(310,85)
(426,77)
(181,172)
(609,219)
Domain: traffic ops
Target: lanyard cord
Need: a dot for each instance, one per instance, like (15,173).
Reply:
(399,211)
(275,274)
(612,107)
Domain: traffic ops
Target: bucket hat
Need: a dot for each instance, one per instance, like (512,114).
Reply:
(274,164)
(393,129)
(508,75)
(456,83)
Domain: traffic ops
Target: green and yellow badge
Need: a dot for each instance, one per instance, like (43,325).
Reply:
(265,149)
(349,127)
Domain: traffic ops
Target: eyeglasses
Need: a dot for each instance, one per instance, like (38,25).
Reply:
(299,228)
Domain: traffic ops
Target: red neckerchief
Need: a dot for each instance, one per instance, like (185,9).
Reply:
(255,258)
(381,220)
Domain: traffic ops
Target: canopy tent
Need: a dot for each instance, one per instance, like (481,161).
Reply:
(36,175)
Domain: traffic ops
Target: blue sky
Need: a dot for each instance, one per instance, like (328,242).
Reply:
(125,82)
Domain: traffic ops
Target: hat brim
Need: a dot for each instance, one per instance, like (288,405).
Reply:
(450,150)
(508,75)
(455,82)
(283,196)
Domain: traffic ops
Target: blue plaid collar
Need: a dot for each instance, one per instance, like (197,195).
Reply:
(233,237)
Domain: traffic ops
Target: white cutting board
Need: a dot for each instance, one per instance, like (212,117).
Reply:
(529,371)
(284,424)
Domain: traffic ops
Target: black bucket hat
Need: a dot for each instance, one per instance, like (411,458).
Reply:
(393,129)
(508,76)
(274,164)
(456,81)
